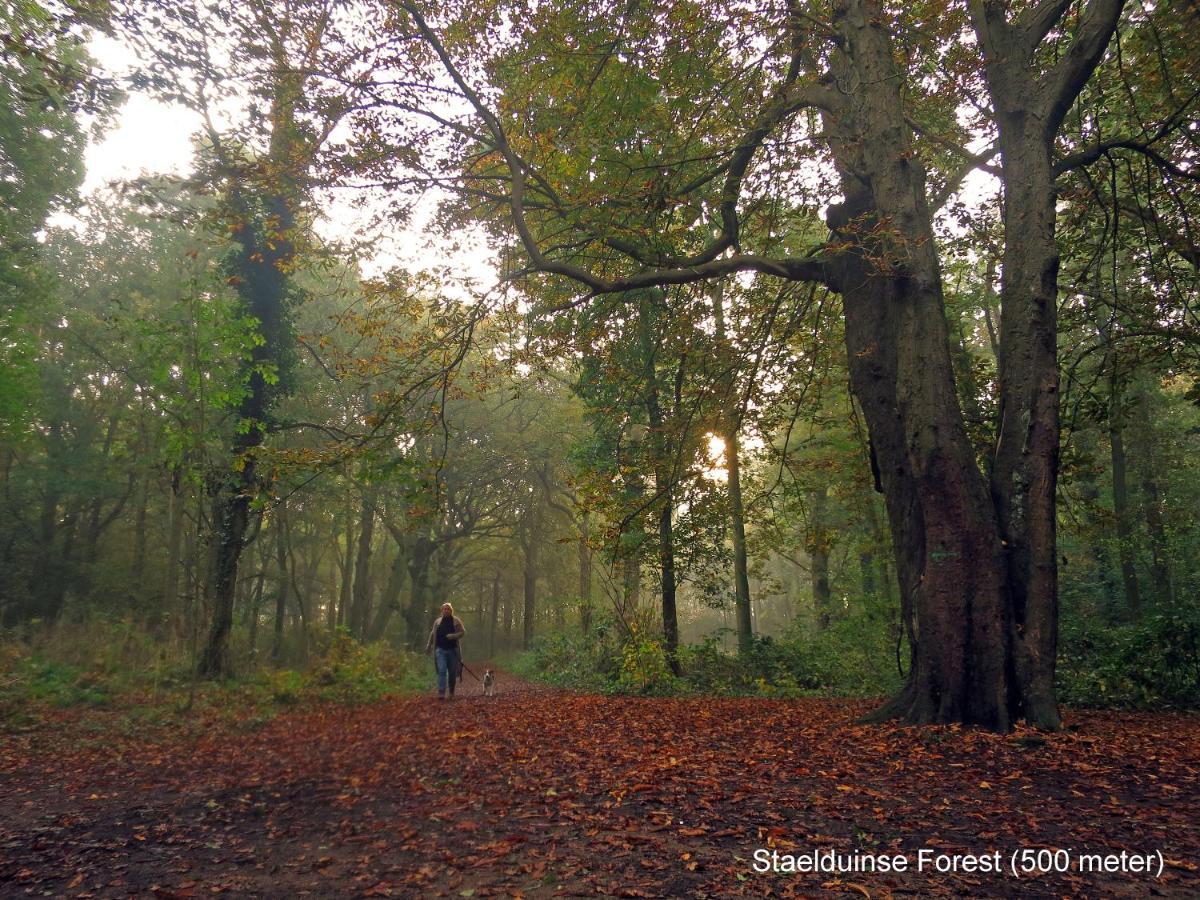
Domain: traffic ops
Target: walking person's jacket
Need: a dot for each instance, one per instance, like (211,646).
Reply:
(454,636)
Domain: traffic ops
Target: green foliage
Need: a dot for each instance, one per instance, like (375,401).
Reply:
(63,685)
(853,657)
(112,664)
(644,668)
(1153,662)
(572,662)
(354,672)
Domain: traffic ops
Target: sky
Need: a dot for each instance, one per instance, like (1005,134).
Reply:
(149,137)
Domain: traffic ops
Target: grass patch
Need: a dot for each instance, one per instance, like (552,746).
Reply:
(110,678)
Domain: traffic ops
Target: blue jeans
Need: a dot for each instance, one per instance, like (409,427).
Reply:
(447,666)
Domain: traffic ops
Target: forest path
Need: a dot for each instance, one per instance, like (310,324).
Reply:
(541,793)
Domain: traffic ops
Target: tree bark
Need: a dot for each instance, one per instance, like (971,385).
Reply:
(818,544)
(585,575)
(170,598)
(281,585)
(1121,512)
(1029,107)
(360,603)
(345,561)
(261,205)
(529,589)
(390,599)
(949,557)
(494,615)
(1146,453)
(664,487)
(730,423)
(416,624)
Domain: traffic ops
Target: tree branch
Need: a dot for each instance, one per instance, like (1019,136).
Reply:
(1062,84)
(1036,22)
(788,100)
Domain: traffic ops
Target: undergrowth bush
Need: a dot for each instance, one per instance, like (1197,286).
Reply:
(103,663)
(1150,663)
(849,658)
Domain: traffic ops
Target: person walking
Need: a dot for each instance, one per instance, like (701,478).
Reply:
(444,640)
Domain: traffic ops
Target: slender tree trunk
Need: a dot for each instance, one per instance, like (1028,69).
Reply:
(281,585)
(529,590)
(1146,453)
(416,624)
(256,609)
(1121,512)
(138,570)
(733,467)
(300,592)
(868,573)
(1096,532)
(360,604)
(585,575)
(390,600)
(631,542)
(175,516)
(664,486)
(494,615)
(631,585)
(818,553)
(346,562)
(45,567)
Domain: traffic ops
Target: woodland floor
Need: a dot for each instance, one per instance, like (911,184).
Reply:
(539,793)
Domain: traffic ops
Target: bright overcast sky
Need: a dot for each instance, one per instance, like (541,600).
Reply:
(153,138)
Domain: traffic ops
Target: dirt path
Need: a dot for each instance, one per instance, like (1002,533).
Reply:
(538,793)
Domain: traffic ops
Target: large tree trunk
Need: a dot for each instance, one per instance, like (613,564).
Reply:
(1025,461)
(261,218)
(953,580)
(1029,106)
(230,518)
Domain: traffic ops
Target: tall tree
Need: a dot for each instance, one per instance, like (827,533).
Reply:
(975,556)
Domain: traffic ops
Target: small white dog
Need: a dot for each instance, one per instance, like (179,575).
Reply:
(489,683)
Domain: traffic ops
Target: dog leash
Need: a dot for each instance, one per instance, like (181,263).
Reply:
(473,675)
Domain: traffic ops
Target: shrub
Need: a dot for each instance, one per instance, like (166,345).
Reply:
(1153,662)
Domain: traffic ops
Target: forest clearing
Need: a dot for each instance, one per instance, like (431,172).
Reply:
(542,793)
(798,401)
